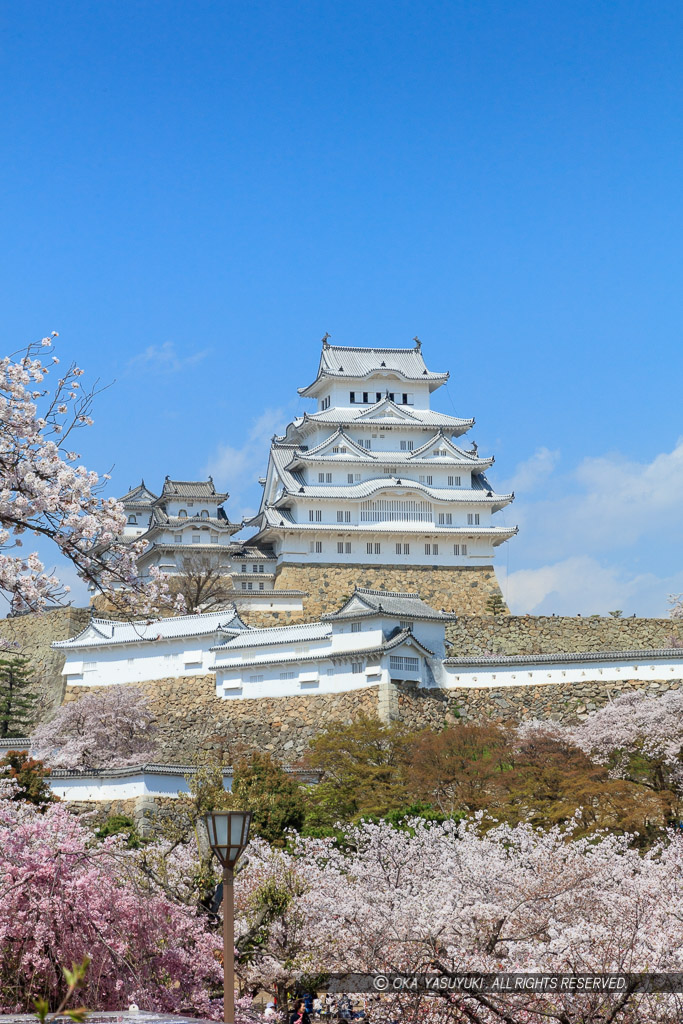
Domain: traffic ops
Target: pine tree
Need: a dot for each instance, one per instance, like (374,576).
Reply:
(18,697)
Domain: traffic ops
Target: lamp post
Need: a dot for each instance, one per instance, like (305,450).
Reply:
(228,835)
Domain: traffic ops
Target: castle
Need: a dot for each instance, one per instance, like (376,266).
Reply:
(385,526)
(370,485)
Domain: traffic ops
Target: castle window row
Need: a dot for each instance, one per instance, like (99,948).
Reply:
(387,470)
(397,510)
(371,397)
(248,585)
(345,547)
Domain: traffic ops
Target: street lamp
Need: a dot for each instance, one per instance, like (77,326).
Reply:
(228,836)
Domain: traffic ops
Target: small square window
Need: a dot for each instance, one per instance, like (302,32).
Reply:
(347,547)
(318,547)
(378,549)
(356,627)
(406,549)
(369,548)
(340,547)
(328,478)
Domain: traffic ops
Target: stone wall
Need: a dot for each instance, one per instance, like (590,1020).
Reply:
(567,702)
(34,633)
(541,634)
(460,589)
(193,720)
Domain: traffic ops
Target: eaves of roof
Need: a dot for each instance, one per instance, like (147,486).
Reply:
(291,638)
(366,488)
(279,523)
(655,654)
(179,770)
(345,654)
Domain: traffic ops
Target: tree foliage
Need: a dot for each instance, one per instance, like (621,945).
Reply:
(29,776)
(110,728)
(45,492)
(362,770)
(202,586)
(19,699)
(272,795)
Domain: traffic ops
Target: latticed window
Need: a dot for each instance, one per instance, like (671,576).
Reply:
(403,663)
(396,510)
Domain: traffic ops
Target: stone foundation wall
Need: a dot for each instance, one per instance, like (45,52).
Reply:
(34,633)
(543,634)
(193,721)
(460,589)
(567,702)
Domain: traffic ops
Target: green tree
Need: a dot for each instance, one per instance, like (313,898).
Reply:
(18,697)
(31,777)
(495,604)
(273,796)
(363,771)
(120,825)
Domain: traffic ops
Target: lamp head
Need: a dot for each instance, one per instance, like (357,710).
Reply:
(228,834)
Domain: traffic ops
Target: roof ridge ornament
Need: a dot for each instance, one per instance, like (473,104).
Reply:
(418,343)
(325,342)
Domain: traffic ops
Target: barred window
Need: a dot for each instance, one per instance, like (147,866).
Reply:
(395,510)
(403,663)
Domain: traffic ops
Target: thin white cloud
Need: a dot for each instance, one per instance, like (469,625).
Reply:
(238,469)
(607,503)
(582,585)
(531,472)
(165,359)
(612,515)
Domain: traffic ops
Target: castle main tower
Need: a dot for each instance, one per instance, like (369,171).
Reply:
(373,476)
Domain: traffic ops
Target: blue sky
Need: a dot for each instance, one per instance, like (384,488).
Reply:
(193,193)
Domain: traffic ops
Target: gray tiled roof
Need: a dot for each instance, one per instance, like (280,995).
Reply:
(340,654)
(404,606)
(161,518)
(191,489)
(140,496)
(413,417)
(358,455)
(297,633)
(359,363)
(105,632)
(366,488)
(529,660)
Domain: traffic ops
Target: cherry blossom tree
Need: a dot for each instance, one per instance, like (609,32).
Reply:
(107,728)
(63,898)
(44,491)
(446,899)
(640,737)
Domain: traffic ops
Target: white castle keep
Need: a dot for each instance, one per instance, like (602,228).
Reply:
(372,476)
